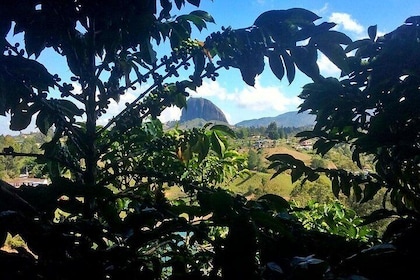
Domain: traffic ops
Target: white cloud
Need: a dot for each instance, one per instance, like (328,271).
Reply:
(114,108)
(323,10)
(326,67)
(257,98)
(261,98)
(228,117)
(346,22)
(380,33)
(170,114)
(209,89)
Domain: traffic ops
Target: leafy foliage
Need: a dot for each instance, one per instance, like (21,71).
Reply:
(373,109)
(105,214)
(334,218)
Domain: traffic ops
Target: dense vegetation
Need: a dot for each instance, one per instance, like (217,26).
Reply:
(12,167)
(105,214)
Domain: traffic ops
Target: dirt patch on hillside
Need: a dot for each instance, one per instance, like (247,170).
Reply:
(284,150)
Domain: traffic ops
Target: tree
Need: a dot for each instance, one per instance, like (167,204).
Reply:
(373,108)
(105,214)
(272,131)
(254,160)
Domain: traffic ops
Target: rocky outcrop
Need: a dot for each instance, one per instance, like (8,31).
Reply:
(201,108)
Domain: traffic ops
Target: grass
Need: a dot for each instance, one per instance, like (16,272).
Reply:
(253,185)
(258,183)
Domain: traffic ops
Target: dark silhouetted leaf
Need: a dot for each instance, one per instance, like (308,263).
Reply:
(335,186)
(194,2)
(357,44)
(336,55)
(296,174)
(378,215)
(199,62)
(305,59)
(275,202)
(372,32)
(44,121)
(276,65)
(290,66)
(20,120)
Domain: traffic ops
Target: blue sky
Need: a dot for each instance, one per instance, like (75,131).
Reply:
(269,97)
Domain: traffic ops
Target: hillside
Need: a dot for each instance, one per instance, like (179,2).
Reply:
(289,119)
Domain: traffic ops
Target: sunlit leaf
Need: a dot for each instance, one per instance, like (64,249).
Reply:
(217,144)
(204,15)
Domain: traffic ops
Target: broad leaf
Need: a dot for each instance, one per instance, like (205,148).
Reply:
(305,58)
(203,15)
(20,120)
(276,65)
(217,144)
(289,65)
(223,128)
(275,202)
(372,32)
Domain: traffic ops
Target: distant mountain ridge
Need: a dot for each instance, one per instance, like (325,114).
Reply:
(201,108)
(289,119)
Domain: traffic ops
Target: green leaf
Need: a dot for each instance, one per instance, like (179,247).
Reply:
(181,31)
(196,20)
(223,128)
(217,144)
(204,15)
(180,100)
